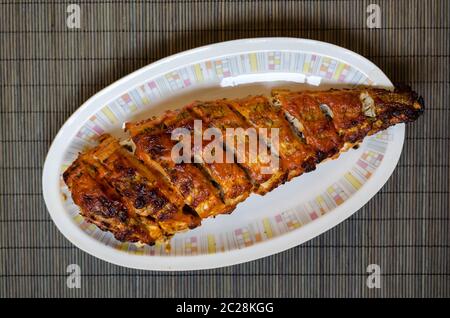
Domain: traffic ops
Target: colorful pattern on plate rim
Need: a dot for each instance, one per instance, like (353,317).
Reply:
(143,95)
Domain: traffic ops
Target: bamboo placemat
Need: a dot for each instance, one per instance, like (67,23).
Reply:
(47,70)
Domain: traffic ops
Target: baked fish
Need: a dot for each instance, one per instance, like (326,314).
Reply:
(141,194)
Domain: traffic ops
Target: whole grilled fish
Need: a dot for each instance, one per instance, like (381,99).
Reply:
(145,196)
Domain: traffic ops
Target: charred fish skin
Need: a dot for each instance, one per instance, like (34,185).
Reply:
(219,115)
(143,190)
(295,155)
(230,178)
(148,198)
(344,117)
(101,206)
(403,105)
(305,113)
(154,145)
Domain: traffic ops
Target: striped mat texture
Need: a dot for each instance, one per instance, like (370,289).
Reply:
(48,70)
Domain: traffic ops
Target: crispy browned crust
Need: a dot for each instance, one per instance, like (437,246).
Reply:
(102,206)
(144,190)
(154,146)
(146,197)
(349,122)
(315,126)
(230,178)
(403,105)
(295,155)
(219,114)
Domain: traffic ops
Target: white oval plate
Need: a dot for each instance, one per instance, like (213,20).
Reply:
(288,216)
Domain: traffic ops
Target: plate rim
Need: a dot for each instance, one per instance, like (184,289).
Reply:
(273,246)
